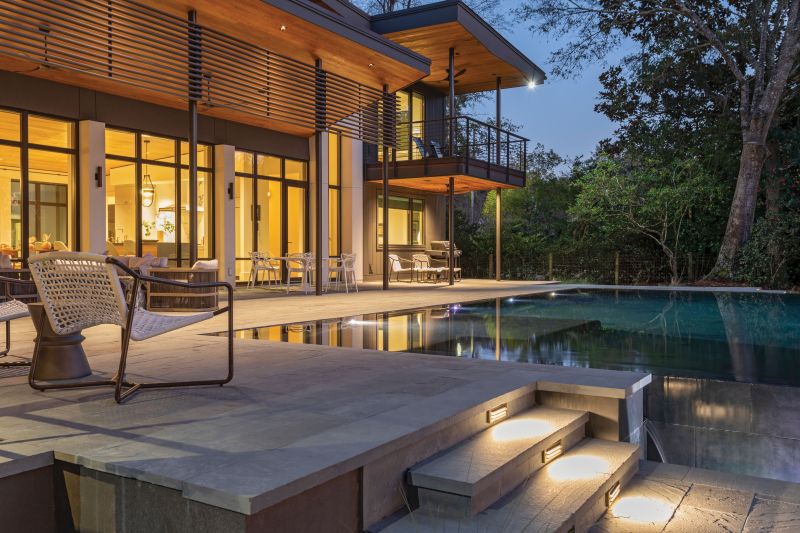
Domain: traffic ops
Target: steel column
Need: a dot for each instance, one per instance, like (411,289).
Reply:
(194,87)
(385,193)
(452,100)
(320,104)
(498,102)
(451,184)
(451,230)
(498,256)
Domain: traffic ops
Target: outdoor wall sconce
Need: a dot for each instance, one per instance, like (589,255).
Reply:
(98,177)
(230,191)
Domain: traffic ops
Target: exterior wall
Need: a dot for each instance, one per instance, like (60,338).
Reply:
(42,96)
(434,224)
(352,208)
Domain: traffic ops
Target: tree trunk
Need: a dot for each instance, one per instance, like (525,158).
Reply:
(743,208)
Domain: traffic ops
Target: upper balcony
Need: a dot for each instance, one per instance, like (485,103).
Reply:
(477,155)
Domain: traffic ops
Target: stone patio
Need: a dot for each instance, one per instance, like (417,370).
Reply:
(296,418)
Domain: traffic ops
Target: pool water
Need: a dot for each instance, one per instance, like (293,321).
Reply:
(734,336)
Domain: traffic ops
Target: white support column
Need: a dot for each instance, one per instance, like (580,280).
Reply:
(92,159)
(319,209)
(225,215)
(353,201)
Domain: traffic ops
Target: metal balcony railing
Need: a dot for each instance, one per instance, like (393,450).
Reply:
(462,137)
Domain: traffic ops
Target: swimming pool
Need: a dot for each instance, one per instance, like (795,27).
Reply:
(725,393)
(736,336)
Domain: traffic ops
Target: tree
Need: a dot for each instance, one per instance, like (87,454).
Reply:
(757,41)
(651,199)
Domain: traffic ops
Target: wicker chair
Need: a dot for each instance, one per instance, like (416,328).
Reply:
(11,309)
(81,290)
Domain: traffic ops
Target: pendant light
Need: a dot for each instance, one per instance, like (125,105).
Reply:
(148,189)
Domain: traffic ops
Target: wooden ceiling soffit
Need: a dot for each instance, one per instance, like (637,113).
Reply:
(138,52)
(482,54)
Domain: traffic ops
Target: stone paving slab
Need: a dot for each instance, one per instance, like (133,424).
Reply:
(679,499)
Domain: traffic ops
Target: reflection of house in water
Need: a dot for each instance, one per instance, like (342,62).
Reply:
(443,330)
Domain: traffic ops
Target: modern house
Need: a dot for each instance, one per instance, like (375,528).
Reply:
(206,129)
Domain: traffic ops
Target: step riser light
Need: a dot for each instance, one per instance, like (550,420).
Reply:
(497,414)
(552,452)
(612,494)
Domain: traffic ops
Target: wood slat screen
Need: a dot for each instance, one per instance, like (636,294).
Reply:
(127,43)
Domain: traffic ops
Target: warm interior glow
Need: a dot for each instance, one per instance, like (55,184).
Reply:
(642,509)
(522,428)
(574,467)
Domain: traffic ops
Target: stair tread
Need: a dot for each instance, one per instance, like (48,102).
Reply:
(466,464)
(547,501)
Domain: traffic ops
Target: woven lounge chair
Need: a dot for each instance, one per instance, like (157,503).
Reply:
(398,268)
(12,309)
(81,290)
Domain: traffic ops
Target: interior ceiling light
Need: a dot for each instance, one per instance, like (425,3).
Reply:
(283,27)
(148,189)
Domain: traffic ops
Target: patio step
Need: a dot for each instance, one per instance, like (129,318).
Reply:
(567,494)
(474,474)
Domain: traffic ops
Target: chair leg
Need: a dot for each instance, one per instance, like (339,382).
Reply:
(10,364)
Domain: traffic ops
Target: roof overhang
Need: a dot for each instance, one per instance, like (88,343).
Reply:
(431,30)
(311,32)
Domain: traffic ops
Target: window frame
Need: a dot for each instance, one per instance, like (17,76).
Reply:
(379,211)
(25,146)
(139,161)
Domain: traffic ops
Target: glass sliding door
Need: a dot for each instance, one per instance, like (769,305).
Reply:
(270,203)
(295,220)
(244,189)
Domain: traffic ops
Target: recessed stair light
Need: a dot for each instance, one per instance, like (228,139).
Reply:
(497,414)
(612,493)
(552,452)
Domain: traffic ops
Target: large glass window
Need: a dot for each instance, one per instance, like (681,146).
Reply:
(48,178)
(406,216)
(410,119)
(270,207)
(147,197)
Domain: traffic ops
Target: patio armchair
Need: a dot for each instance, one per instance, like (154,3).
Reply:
(11,309)
(420,144)
(81,290)
(398,268)
(299,263)
(345,269)
(423,266)
(260,262)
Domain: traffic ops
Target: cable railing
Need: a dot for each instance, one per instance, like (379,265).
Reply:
(123,42)
(483,146)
